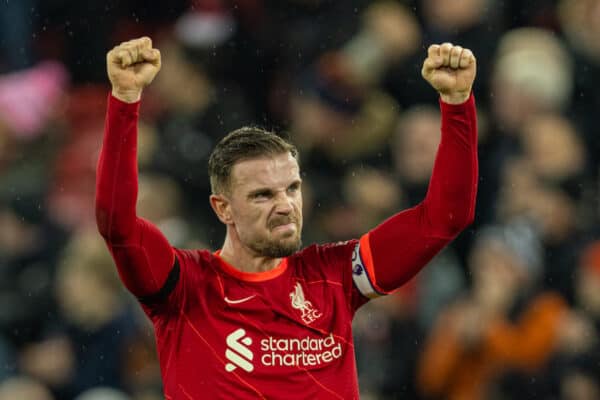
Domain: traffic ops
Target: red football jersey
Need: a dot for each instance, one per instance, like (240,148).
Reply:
(286,333)
(282,334)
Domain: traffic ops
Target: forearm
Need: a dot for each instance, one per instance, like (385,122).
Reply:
(449,205)
(117,173)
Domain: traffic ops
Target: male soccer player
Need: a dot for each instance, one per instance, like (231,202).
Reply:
(261,318)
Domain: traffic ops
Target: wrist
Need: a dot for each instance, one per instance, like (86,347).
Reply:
(127,96)
(455,98)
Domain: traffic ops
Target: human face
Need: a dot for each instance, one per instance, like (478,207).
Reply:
(266,204)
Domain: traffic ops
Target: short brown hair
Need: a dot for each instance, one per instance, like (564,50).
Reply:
(242,144)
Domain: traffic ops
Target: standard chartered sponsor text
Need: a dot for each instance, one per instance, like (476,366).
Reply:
(299,352)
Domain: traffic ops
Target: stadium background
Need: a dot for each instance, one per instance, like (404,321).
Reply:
(511,310)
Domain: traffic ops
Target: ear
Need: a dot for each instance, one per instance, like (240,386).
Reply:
(221,206)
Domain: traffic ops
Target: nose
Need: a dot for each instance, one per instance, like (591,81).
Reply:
(283,204)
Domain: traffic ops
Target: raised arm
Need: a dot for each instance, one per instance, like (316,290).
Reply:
(143,256)
(396,250)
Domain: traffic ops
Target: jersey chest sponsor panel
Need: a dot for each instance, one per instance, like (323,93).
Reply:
(286,337)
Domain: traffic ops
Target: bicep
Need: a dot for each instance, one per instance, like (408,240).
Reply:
(144,260)
(395,251)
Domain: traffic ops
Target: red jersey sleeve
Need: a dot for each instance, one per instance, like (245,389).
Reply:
(144,258)
(393,252)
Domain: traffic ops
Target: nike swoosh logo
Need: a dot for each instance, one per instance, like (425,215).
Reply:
(238,301)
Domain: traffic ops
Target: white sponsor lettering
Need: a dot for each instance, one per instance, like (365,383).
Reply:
(293,352)
(281,352)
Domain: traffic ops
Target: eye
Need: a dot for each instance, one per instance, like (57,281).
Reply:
(294,187)
(261,195)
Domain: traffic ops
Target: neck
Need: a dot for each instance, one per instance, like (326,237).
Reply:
(243,258)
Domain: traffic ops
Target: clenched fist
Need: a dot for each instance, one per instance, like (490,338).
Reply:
(131,66)
(451,71)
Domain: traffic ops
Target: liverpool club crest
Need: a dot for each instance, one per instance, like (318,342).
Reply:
(299,302)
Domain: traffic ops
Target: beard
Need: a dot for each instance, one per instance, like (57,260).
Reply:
(277,248)
(280,247)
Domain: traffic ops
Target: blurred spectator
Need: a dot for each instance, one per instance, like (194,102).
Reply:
(29,248)
(31,108)
(578,366)
(29,98)
(532,75)
(102,394)
(390,33)
(72,187)
(160,201)
(278,39)
(573,370)
(368,196)
(335,116)
(438,285)
(22,387)
(88,345)
(385,335)
(555,149)
(475,24)
(339,114)
(373,194)
(414,148)
(502,324)
(337,124)
(547,186)
(580,22)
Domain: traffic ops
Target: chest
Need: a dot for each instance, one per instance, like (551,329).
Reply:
(283,306)
(290,322)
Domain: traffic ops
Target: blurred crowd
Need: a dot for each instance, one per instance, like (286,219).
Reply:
(511,310)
